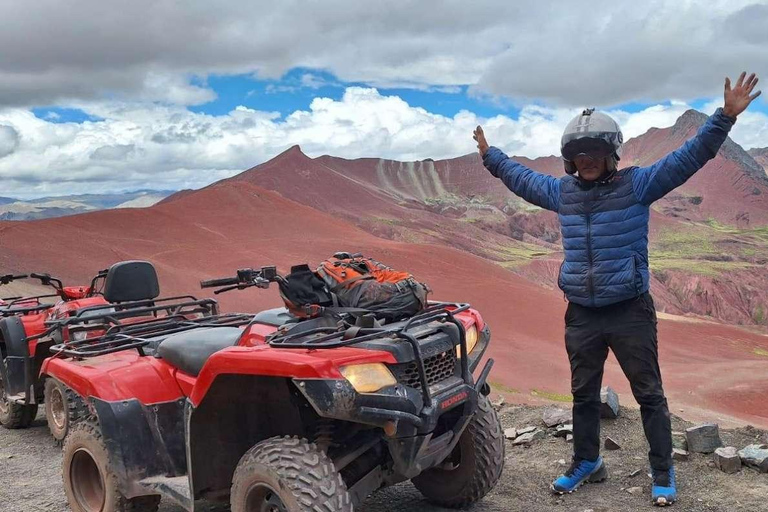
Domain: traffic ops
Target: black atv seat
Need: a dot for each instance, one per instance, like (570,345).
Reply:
(188,351)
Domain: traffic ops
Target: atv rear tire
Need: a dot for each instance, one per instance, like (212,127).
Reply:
(89,482)
(288,474)
(13,415)
(63,408)
(473,468)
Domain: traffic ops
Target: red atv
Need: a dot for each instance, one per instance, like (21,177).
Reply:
(29,328)
(278,413)
(22,319)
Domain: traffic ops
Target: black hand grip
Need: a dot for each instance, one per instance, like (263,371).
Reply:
(212,283)
(19,276)
(39,276)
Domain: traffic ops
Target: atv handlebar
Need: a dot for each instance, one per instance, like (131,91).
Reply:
(48,280)
(11,277)
(246,277)
(212,283)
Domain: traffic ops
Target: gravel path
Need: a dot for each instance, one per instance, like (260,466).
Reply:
(30,466)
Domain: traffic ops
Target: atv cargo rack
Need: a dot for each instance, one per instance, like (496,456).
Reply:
(333,337)
(12,308)
(164,315)
(137,335)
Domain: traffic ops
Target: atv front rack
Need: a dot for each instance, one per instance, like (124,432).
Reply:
(137,335)
(334,337)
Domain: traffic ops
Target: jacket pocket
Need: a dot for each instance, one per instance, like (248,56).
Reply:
(636,274)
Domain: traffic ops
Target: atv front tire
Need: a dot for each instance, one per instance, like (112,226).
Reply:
(89,482)
(288,474)
(63,408)
(13,415)
(473,468)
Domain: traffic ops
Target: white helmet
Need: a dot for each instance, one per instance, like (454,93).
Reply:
(594,134)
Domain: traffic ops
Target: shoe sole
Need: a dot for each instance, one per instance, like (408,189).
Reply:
(663,502)
(601,475)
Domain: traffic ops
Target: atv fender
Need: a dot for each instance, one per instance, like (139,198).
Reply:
(17,370)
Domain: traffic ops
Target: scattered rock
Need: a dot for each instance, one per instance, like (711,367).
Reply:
(553,416)
(498,403)
(679,440)
(679,454)
(727,460)
(704,438)
(755,455)
(569,438)
(564,430)
(610,444)
(635,473)
(610,403)
(525,430)
(510,433)
(530,436)
(561,462)
(635,490)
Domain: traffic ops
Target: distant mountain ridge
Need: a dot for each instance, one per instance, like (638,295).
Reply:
(60,206)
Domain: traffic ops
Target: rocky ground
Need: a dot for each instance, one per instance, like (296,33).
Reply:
(30,469)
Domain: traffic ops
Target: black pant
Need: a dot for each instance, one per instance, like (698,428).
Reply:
(629,329)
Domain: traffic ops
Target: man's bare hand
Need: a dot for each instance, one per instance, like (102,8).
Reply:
(738,99)
(482,144)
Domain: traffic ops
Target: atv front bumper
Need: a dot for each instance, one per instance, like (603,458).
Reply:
(424,435)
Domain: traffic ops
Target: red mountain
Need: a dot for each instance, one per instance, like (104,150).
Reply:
(699,261)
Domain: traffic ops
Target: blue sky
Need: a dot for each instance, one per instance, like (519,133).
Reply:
(290,93)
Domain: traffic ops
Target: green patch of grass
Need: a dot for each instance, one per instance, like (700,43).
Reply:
(761,352)
(550,395)
(498,386)
(699,267)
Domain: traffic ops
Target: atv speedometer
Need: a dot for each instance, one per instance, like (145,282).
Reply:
(471,337)
(369,377)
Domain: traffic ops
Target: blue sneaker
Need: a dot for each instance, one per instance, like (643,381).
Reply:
(581,471)
(664,491)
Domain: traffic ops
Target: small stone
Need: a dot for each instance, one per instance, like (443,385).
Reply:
(498,403)
(569,438)
(755,455)
(637,457)
(679,440)
(561,462)
(635,490)
(727,460)
(510,433)
(529,437)
(525,430)
(635,473)
(609,407)
(553,416)
(564,430)
(610,444)
(679,454)
(703,438)
(9,457)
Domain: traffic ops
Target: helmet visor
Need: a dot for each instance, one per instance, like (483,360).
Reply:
(592,147)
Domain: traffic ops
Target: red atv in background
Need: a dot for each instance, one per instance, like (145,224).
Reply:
(29,328)
(21,320)
(277,413)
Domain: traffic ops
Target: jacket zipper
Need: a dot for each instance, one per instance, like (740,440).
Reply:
(590,284)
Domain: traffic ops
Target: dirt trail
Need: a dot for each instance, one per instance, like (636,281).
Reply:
(30,468)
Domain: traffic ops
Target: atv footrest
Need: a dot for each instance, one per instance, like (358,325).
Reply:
(175,488)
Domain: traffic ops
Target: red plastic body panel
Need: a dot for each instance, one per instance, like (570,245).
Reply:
(34,324)
(118,376)
(63,308)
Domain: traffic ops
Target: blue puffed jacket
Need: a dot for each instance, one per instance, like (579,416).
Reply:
(604,225)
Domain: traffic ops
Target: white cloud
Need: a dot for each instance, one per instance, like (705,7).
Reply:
(142,145)
(565,53)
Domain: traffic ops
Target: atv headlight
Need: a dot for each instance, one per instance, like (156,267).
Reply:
(471,337)
(369,377)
